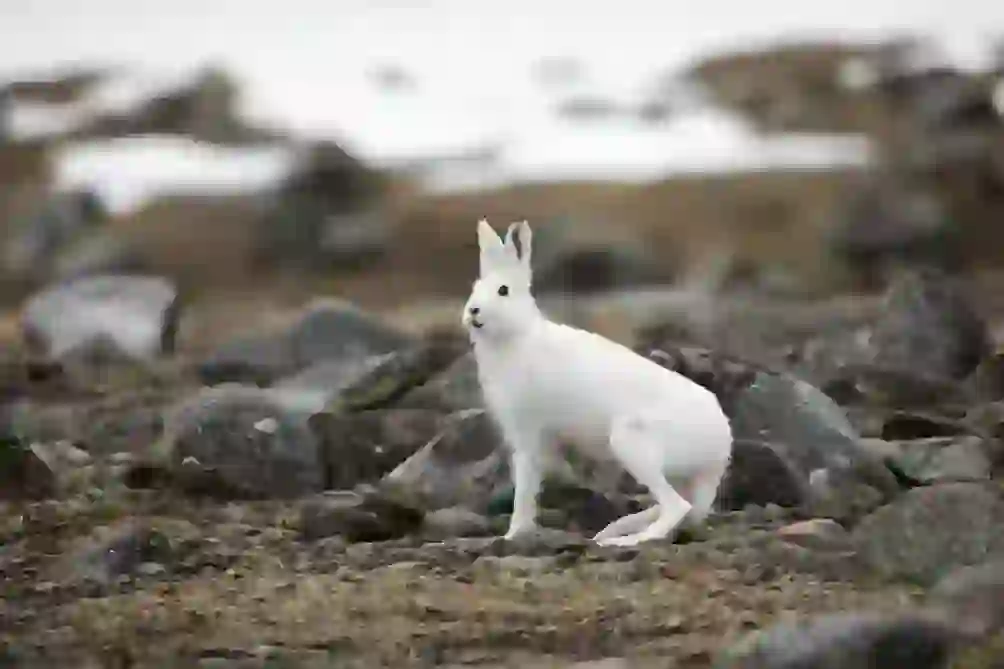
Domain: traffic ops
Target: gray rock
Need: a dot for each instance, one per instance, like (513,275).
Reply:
(136,316)
(928,323)
(364,514)
(759,475)
(726,376)
(838,477)
(363,447)
(455,522)
(235,441)
(463,465)
(70,466)
(881,385)
(396,374)
(987,420)
(940,459)
(24,473)
(987,380)
(931,530)
(35,240)
(456,389)
(328,330)
(816,534)
(974,596)
(845,641)
(129,422)
(318,385)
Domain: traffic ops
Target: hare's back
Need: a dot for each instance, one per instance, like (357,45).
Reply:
(601,365)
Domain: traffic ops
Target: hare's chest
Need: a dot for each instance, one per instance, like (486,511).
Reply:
(548,404)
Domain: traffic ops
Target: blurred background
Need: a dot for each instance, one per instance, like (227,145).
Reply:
(236,237)
(349,147)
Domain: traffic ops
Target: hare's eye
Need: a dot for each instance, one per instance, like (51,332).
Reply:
(503,290)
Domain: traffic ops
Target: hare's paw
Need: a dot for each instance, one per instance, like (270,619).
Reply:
(623,540)
(519,530)
(648,534)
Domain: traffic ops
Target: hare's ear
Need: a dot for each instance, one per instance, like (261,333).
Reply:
(490,244)
(522,230)
(525,244)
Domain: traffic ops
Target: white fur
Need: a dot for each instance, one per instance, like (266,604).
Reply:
(543,381)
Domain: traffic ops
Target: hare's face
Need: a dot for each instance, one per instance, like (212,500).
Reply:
(500,303)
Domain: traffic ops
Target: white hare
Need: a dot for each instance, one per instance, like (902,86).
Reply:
(543,382)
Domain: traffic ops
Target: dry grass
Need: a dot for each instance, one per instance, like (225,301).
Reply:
(405,614)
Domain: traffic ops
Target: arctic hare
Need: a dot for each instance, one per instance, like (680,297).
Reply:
(543,381)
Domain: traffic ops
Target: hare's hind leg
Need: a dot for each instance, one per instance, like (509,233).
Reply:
(638,521)
(637,448)
(705,490)
(628,524)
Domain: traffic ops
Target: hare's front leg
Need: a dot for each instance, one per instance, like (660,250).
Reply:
(527,468)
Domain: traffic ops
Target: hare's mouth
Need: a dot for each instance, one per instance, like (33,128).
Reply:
(476,323)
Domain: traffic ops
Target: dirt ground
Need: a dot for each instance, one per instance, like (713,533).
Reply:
(132,579)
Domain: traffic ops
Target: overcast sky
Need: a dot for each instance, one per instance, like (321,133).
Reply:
(450,35)
(309,58)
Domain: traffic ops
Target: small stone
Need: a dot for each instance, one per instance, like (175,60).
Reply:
(366,514)
(150,569)
(816,534)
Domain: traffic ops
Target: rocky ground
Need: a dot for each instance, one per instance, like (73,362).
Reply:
(328,491)
(150,580)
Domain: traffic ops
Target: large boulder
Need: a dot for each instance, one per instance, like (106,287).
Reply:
(432,364)
(929,324)
(328,330)
(364,446)
(845,641)
(134,316)
(455,389)
(233,441)
(940,459)
(931,530)
(796,447)
(974,596)
(464,465)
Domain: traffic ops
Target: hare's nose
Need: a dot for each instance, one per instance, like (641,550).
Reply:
(474,311)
